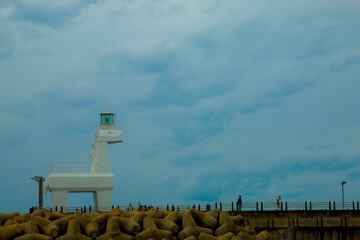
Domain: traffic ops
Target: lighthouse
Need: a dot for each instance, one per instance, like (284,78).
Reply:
(96,177)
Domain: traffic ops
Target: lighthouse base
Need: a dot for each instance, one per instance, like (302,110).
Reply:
(100,184)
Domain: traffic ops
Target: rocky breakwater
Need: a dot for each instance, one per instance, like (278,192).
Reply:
(135,225)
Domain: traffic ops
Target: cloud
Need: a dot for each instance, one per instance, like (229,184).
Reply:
(5,50)
(52,14)
(223,183)
(196,158)
(325,146)
(348,62)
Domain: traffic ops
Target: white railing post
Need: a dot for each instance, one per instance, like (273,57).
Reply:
(71,167)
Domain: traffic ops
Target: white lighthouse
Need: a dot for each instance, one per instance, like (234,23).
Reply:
(97,177)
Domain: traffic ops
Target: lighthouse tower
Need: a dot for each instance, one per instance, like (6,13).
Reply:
(96,177)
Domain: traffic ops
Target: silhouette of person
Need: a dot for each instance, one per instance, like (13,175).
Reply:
(278,203)
(239,203)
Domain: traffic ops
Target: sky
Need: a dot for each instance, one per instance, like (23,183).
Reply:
(215,98)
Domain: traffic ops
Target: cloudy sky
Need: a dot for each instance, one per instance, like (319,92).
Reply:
(215,98)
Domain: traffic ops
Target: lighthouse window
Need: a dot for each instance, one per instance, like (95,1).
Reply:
(106,119)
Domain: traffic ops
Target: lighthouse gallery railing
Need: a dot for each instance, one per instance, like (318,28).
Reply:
(79,167)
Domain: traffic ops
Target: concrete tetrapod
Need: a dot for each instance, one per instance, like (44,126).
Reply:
(213,213)
(101,220)
(155,239)
(230,224)
(226,236)
(168,222)
(226,225)
(93,214)
(129,214)
(113,231)
(191,238)
(190,228)
(157,213)
(151,231)
(12,231)
(172,217)
(131,219)
(23,218)
(117,212)
(47,227)
(40,212)
(264,235)
(237,219)
(9,222)
(32,232)
(62,224)
(5,217)
(248,229)
(206,219)
(91,228)
(166,225)
(54,216)
(129,225)
(73,232)
(138,217)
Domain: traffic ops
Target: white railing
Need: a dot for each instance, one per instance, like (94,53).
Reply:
(78,167)
(326,207)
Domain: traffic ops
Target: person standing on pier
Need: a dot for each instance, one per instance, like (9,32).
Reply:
(278,203)
(239,203)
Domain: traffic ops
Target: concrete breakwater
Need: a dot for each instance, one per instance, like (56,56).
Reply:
(307,225)
(190,224)
(153,224)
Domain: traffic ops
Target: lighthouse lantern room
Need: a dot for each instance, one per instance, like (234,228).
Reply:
(107,118)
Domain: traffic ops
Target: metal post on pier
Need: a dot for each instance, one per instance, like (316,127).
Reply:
(342,193)
(40,180)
